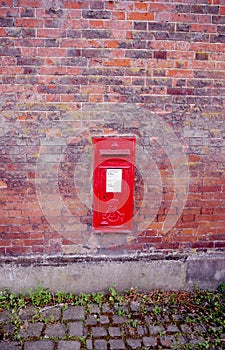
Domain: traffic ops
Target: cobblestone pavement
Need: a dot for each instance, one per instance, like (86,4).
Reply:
(70,327)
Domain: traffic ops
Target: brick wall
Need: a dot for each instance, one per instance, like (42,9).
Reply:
(74,69)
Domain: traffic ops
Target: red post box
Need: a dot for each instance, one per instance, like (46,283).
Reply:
(113,183)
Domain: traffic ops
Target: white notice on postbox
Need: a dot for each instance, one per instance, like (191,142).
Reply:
(113,180)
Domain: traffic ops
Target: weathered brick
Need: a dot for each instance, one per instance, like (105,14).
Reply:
(27,12)
(95,14)
(6,22)
(139,54)
(140,25)
(217,38)
(96,34)
(205,9)
(162,55)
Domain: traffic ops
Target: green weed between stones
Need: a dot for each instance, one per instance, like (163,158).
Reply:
(197,307)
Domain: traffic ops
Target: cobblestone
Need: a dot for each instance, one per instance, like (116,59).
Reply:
(156,329)
(94,309)
(68,345)
(55,330)
(141,330)
(91,320)
(74,313)
(134,343)
(89,344)
(5,316)
(168,341)
(172,329)
(32,330)
(101,344)
(39,344)
(150,341)
(135,306)
(27,314)
(119,319)
(77,328)
(99,332)
(104,319)
(10,346)
(117,344)
(115,331)
(53,313)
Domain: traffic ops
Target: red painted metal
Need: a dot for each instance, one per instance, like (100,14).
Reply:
(113,183)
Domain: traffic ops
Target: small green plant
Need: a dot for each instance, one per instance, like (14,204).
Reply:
(10,300)
(40,296)
(112,294)
(221,288)
(51,319)
(82,340)
(157,310)
(4,298)
(36,315)
(98,298)
(144,309)
(16,323)
(84,299)
(121,312)
(65,307)
(172,299)
(134,323)
(61,297)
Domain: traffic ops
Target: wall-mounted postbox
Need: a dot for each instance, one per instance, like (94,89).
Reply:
(113,183)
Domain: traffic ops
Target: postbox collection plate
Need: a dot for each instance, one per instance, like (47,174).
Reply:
(113,183)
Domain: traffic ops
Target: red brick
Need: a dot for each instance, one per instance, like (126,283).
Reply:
(212,188)
(188,231)
(17,250)
(140,6)
(111,44)
(203,245)
(118,63)
(188,218)
(194,158)
(30,3)
(207,210)
(187,238)
(222,10)
(141,16)
(39,249)
(51,52)
(149,240)
(184,73)
(162,7)
(168,246)
(96,24)
(8,3)
(119,15)
(29,22)
(150,232)
(75,4)
(96,98)
(5,243)
(206,28)
(49,33)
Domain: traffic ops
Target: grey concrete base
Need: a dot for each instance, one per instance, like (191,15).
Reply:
(74,274)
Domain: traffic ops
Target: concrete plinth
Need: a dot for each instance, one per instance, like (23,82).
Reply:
(92,274)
